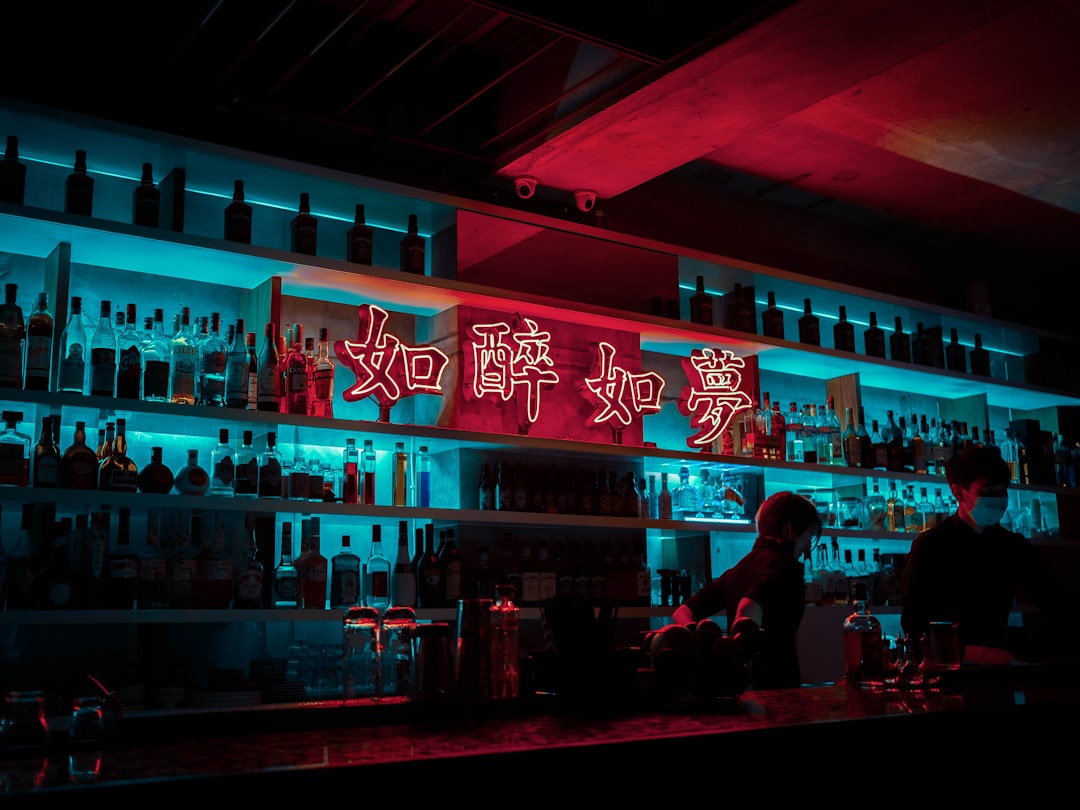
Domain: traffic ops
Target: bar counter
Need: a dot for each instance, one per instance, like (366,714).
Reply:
(983,730)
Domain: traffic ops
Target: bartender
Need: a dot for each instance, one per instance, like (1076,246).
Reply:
(763,593)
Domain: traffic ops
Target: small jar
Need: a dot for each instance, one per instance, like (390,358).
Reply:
(849,513)
(24,727)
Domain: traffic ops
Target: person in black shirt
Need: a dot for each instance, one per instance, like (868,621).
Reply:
(763,594)
(969,569)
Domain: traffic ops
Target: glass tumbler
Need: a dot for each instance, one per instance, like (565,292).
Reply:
(24,726)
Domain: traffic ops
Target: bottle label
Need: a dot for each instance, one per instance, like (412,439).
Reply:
(286,589)
(121,480)
(123,568)
(38,351)
(46,471)
(129,373)
(73,370)
(249,586)
(348,588)
(60,594)
(270,479)
(380,585)
(246,480)
(11,363)
(12,462)
(102,371)
(269,386)
(223,472)
(217,570)
(322,381)
(156,380)
(152,568)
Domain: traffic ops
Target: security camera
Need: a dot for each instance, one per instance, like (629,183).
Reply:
(585,200)
(525,186)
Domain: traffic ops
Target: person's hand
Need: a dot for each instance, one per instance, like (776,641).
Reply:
(748,635)
(683,615)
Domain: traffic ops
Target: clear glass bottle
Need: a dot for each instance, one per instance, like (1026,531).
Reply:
(79,188)
(39,343)
(270,388)
(359,240)
(12,339)
(270,469)
(423,477)
(248,574)
(412,249)
(12,173)
(665,509)
(844,333)
(103,355)
(864,643)
(236,369)
(146,199)
(350,466)
(654,498)
(322,379)
(809,326)
(503,636)
(701,304)
(286,588)
(345,588)
(212,362)
(129,370)
(155,360)
(400,476)
(238,216)
(183,362)
(191,479)
(295,376)
(367,474)
(71,375)
(304,228)
(222,466)
(14,452)
(377,578)
(252,372)
(683,499)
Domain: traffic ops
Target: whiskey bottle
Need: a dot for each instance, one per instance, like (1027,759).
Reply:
(322,379)
(238,216)
(12,339)
(286,578)
(809,326)
(249,574)
(979,358)
(79,188)
(701,304)
(146,199)
(367,474)
(874,338)
(412,249)
(213,353)
(79,463)
(45,472)
(155,360)
(849,440)
(269,383)
(772,319)
(118,473)
(844,333)
(270,469)
(376,590)
(183,362)
(955,356)
(14,452)
(403,585)
(12,173)
(304,228)
(400,477)
(103,355)
(739,304)
(864,651)
(39,342)
(359,240)
(156,477)
(191,479)
(313,575)
(345,576)
(129,371)
(900,343)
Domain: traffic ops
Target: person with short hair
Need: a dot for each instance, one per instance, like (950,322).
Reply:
(763,594)
(969,569)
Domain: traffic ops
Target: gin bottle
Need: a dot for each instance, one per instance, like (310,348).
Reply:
(129,371)
(155,360)
(183,360)
(864,644)
(345,576)
(103,355)
(286,578)
(222,467)
(376,591)
(212,360)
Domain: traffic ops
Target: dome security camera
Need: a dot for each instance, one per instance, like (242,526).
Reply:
(525,186)
(585,200)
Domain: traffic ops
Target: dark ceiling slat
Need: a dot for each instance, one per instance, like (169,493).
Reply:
(319,46)
(247,51)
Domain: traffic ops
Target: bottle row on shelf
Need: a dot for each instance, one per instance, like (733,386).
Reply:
(239,215)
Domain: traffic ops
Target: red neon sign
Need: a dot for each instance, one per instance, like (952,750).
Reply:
(386,369)
(619,394)
(713,397)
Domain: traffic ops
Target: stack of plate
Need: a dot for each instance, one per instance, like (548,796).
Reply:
(223,699)
(286,692)
(267,670)
(166,697)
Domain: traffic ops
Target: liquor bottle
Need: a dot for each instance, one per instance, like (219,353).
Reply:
(430,588)
(345,576)
(238,216)
(849,440)
(155,360)
(359,240)
(404,587)
(900,343)
(222,466)
(286,578)
(866,445)
(252,372)
(400,477)
(45,470)
(14,452)
(12,173)
(450,560)
(367,474)
(313,573)
(350,466)
(979,358)
(412,249)
(894,509)
(183,361)
(55,583)
(246,469)
(304,228)
(739,306)
(809,326)
(249,574)
(423,477)
(664,506)
(146,199)
(103,355)
(12,339)
(121,579)
(377,578)
(118,472)
(152,588)
(92,561)
(181,567)
(843,333)
(71,376)
(864,651)
(191,479)
(920,346)
(632,495)
(530,575)
(893,438)
(269,384)
(955,356)
(653,498)
(212,361)
(486,489)
(214,568)
(683,497)
(880,448)
(270,469)
(155,477)
(39,343)
(504,619)
(322,379)
(913,517)
(105,443)
(874,338)
(79,463)
(79,188)
(772,319)
(129,371)
(701,305)
(236,369)
(295,374)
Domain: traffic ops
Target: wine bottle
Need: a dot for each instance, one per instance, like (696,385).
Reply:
(79,188)
(238,217)
(359,240)
(412,249)
(304,228)
(146,200)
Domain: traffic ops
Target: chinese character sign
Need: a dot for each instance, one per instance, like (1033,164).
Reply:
(386,369)
(511,360)
(713,396)
(617,394)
